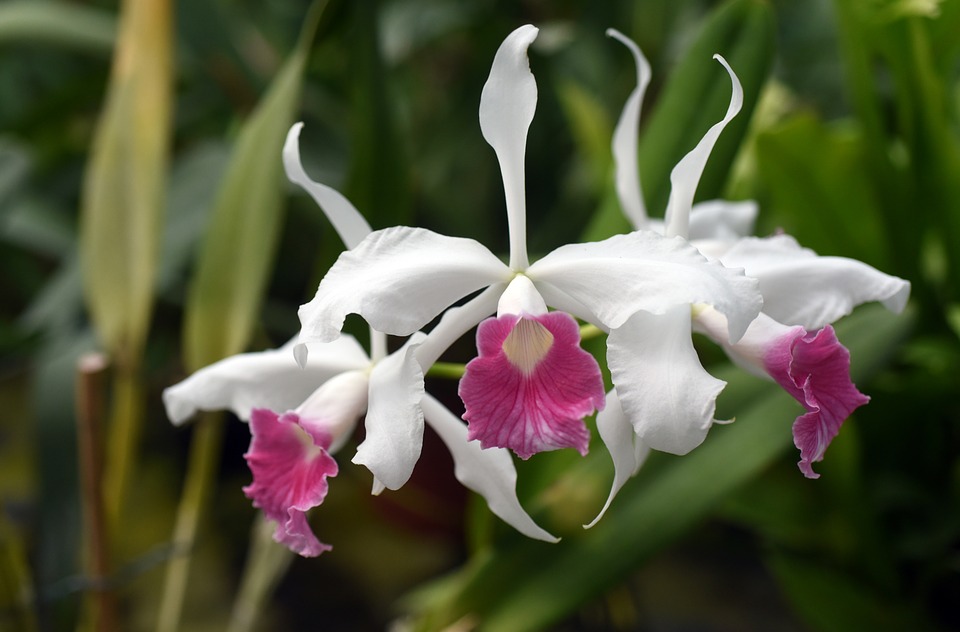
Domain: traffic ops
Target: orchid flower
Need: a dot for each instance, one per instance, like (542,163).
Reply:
(290,452)
(531,385)
(791,341)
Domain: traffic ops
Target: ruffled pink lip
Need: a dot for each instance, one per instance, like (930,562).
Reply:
(290,466)
(531,385)
(815,369)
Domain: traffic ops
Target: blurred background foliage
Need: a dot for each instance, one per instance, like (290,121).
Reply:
(849,141)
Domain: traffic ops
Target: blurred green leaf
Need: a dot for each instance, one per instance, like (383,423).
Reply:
(819,191)
(65,24)
(668,497)
(695,97)
(123,192)
(830,601)
(592,130)
(238,250)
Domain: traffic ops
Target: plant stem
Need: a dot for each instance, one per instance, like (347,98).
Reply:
(204,459)
(126,427)
(267,562)
(100,607)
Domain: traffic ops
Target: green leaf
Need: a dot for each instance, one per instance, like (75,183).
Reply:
(65,24)
(238,250)
(667,498)
(123,192)
(694,98)
(830,601)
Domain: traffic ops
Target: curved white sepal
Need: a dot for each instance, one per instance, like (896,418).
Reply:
(488,472)
(664,391)
(627,176)
(346,219)
(262,379)
(398,280)
(686,174)
(507,105)
(625,448)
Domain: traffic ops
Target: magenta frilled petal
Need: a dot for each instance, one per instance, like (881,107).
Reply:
(815,369)
(531,385)
(290,466)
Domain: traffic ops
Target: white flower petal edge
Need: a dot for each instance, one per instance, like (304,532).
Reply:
(394,420)
(627,177)
(398,280)
(263,379)
(686,174)
(346,220)
(663,389)
(625,448)
(507,105)
(663,273)
(801,288)
(488,472)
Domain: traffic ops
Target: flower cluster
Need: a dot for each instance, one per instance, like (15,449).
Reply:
(767,301)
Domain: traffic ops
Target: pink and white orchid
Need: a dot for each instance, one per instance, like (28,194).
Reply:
(532,385)
(792,341)
(290,452)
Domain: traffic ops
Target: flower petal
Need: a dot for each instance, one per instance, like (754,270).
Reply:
(394,419)
(398,279)
(686,174)
(801,288)
(346,219)
(625,139)
(626,450)
(722,220)
(531,385)
(507,105)
(815,368)
(263,379)
(489,472)
(290,467)
(619,276)
(665,393)
(337,407)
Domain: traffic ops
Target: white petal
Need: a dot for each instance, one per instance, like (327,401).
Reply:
(488,472)
(263,379)
(748,352)
(664,391)
(394,421)
(801,288)
(398,279)
(686,175)
(507,104)
(626,450)
(455,322)
(619,276)
(722,220)
(625,139)
(346,219)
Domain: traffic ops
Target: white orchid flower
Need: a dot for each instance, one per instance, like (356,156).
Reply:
(792,341)
(531,385)
(290,452)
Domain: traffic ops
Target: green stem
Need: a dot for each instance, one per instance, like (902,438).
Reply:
(201,469)
(447,370)
(126,427)
(589,331)
(267,562)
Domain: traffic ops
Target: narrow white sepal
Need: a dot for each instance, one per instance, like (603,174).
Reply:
(489,472)
(627,176)
(346,219)
(686,174)
(626,450)
(507,105)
